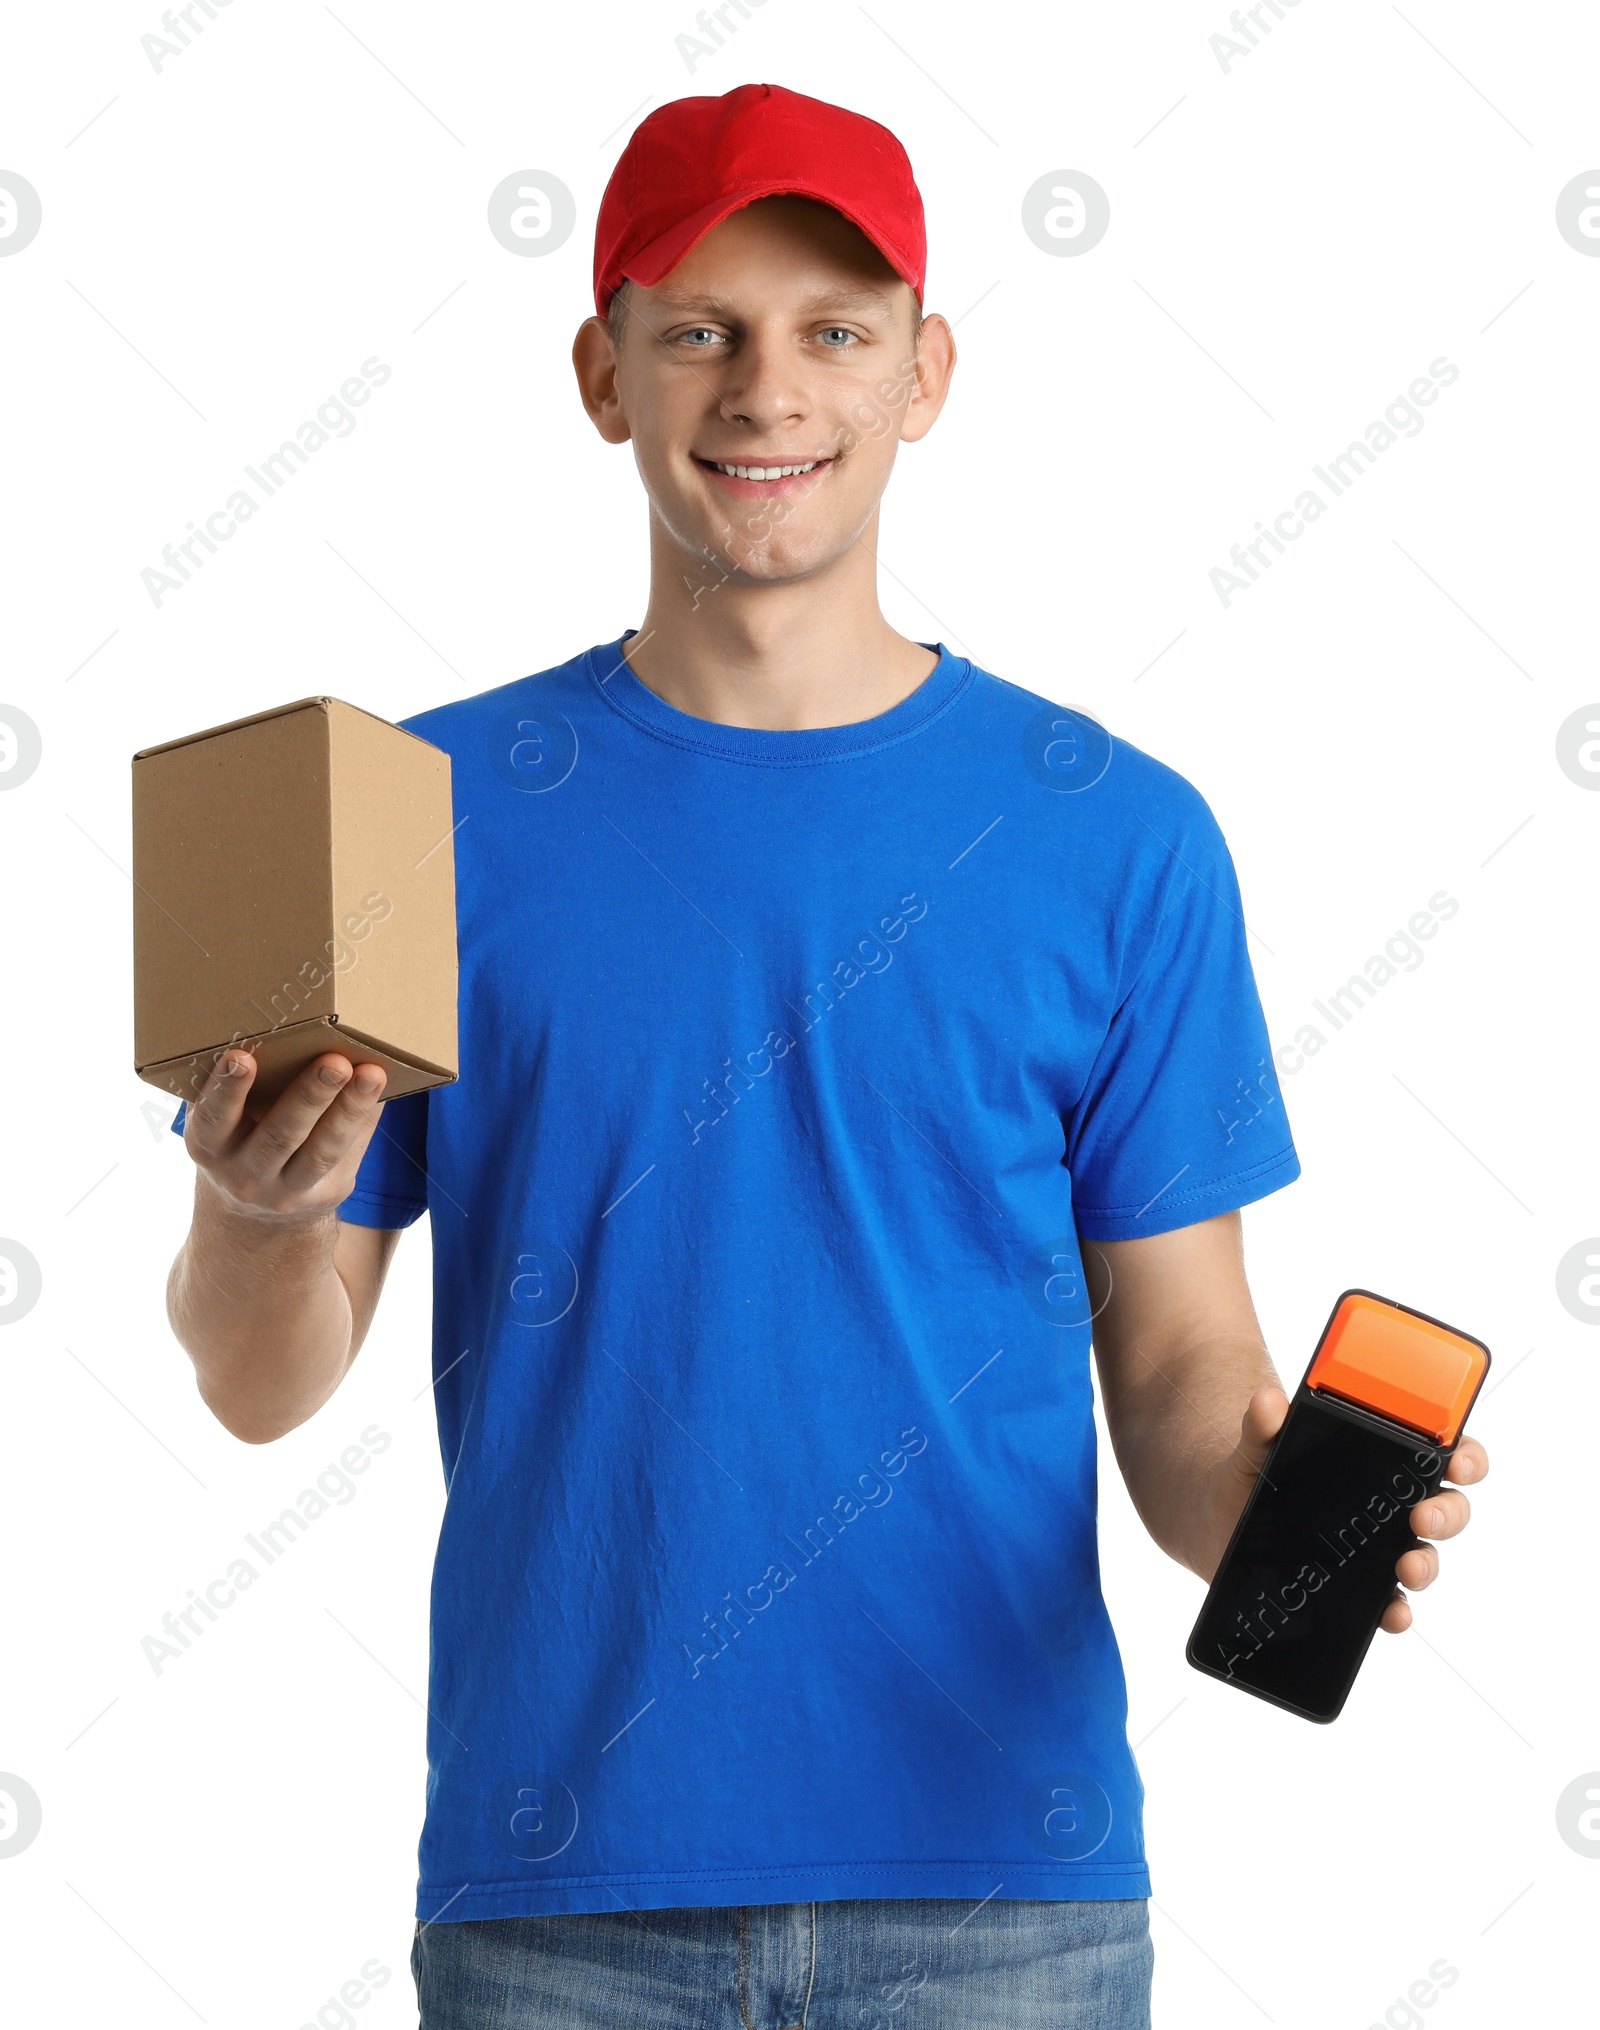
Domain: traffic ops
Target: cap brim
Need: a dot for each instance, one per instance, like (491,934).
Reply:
(655,261)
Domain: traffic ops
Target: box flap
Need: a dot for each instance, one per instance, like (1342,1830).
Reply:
(282,1054)
(274,712)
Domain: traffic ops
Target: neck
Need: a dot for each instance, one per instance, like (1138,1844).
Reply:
(811,651)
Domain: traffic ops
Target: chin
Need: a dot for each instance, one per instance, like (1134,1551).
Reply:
(760,544)
(765,542)
(774,564)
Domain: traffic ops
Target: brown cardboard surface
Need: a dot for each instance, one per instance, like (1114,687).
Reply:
(282,1052)
(294,892)
(388,797)
(231,854)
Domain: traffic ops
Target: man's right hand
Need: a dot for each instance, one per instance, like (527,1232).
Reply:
(271,1295)
(300,1159)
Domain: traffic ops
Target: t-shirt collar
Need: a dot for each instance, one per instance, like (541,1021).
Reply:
(635,701)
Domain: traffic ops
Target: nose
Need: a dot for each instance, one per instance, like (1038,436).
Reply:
(765,383)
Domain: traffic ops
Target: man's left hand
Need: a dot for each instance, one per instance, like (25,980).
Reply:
(1441,1515)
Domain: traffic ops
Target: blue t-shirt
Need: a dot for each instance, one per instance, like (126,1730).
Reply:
(794,1067)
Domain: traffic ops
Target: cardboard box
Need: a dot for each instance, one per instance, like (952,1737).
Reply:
(294,892)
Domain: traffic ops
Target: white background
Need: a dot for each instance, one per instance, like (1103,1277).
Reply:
(1292,242)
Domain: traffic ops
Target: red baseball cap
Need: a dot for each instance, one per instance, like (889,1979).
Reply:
(694,161)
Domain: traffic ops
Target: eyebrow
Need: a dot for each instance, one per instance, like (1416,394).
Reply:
(863,294)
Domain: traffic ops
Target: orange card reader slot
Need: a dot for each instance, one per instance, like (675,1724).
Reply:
(1400,1364)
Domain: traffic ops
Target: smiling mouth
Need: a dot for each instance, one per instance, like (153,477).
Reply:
(769,476)
(761,471)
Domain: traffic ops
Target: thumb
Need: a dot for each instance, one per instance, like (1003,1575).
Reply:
(1262,1420)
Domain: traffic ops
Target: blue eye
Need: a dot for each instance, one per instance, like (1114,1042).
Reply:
(838,331)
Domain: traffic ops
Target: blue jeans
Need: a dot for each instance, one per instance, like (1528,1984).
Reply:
(923,1963)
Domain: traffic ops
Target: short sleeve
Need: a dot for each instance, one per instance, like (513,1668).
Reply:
(1181,1117)
(391,1187)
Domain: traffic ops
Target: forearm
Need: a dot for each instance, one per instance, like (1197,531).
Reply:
(259,1307)
(1174,1419)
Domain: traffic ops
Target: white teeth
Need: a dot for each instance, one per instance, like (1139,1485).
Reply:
(765,471)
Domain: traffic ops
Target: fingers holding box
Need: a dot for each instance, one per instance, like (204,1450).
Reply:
(301,1155)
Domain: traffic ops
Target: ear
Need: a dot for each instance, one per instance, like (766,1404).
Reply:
(594,360)
(934,364)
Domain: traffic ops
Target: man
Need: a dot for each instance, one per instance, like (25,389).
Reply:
(820,994)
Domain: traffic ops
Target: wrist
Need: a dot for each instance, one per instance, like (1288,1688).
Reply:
(253,1226)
